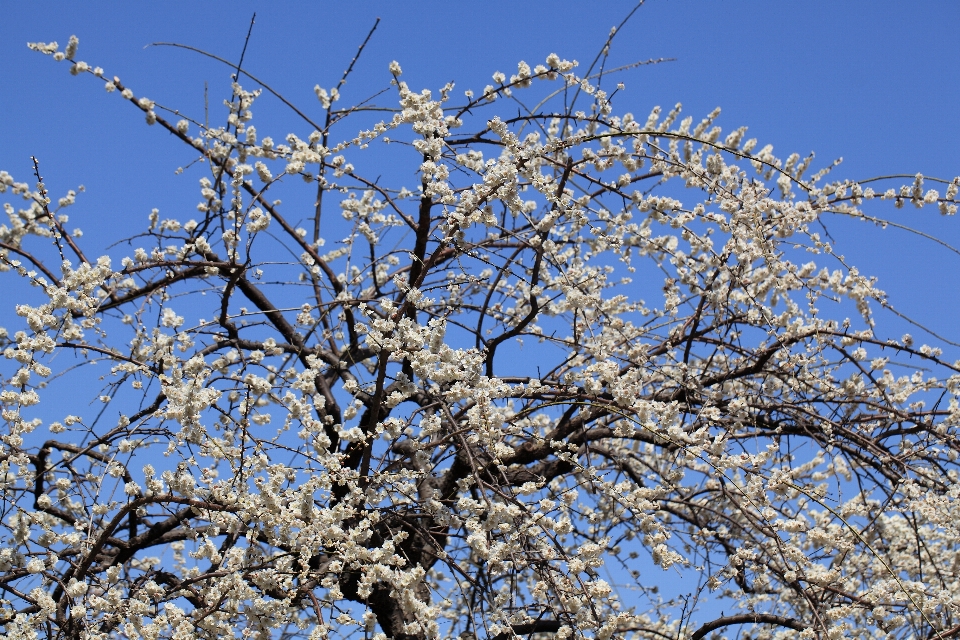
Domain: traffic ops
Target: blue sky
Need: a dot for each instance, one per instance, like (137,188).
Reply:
(874,82)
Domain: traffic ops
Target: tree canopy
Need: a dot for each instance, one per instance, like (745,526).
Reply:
(583,353)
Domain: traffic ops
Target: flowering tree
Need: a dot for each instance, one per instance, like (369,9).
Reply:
(583,346)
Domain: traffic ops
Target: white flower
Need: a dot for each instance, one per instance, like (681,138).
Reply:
(71,49)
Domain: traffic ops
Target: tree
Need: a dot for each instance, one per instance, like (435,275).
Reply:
(584,345)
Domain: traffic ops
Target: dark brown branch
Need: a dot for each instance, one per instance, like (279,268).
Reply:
(748,618)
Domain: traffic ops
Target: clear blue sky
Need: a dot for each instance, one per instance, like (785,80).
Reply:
(876,82)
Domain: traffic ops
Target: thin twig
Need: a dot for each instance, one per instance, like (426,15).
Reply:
(244,72)
(346,73)
(246,41)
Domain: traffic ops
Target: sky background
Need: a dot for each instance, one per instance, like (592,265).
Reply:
(876,83)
